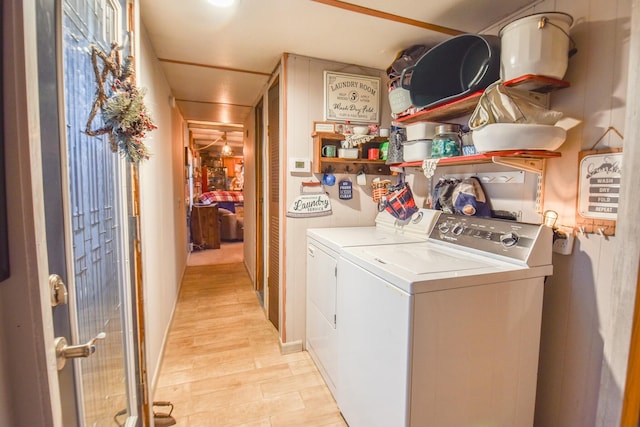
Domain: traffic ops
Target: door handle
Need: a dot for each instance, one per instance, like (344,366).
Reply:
(64,351)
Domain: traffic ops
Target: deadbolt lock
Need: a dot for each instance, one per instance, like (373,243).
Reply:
(58,289)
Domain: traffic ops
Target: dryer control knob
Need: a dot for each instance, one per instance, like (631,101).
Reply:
(509,239)
(457,229)
(444,227)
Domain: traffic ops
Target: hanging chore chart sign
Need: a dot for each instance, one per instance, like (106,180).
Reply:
(350,97)
(600,175)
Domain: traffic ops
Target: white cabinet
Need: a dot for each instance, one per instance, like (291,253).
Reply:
(321,311)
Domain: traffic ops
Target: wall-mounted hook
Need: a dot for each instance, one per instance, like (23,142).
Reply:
(581,230)
(347,169)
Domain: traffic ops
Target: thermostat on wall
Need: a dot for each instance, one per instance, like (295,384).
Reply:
(299,164)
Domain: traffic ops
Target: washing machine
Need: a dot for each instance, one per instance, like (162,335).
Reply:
(323,252)
(443,332)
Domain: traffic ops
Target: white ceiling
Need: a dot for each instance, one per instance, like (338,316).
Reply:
(218,61)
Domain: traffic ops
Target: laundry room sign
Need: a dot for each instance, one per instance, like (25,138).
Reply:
(312,201)
(600,176)
(350,97)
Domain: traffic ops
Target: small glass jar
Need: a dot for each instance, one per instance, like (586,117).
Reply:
(348,129)
(446,142)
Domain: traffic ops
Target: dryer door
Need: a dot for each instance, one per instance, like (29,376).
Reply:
(321,311)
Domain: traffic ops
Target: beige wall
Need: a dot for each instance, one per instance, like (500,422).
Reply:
(162,204)
(578,297)
(304,103)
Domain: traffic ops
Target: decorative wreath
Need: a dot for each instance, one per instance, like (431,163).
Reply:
(121,103)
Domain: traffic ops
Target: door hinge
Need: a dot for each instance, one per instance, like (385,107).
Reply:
(335,271)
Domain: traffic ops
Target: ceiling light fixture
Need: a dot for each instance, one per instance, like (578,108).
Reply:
(222,3)
(226,150)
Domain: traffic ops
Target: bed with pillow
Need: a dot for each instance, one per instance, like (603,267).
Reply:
(228,200)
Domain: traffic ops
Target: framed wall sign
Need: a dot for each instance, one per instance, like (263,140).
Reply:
(324,127)
(600,175)
(351,97)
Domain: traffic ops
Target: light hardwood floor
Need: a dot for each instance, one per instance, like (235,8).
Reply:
(222,365)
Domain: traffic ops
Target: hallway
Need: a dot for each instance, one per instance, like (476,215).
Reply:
(222,364)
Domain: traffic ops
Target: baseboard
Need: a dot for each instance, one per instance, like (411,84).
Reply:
(290,347)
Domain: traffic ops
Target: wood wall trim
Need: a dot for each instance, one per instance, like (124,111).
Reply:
(390,17)
(212,103)
(630,411)
(214,67)
(283,216)
(631,401)
(142,380)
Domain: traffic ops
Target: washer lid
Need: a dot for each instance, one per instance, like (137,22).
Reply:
(425,260)
(426,266)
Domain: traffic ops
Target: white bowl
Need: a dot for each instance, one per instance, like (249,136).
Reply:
(361,130)
(518,136)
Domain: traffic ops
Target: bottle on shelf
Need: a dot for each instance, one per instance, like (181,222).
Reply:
(447,141)
(348,129)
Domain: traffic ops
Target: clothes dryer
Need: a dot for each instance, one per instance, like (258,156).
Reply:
(324,246)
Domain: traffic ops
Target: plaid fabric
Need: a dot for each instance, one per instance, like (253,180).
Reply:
(400,203)
(221,196)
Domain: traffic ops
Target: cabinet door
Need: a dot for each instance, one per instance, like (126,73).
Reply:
(321,312)
(321,273)
(373,338)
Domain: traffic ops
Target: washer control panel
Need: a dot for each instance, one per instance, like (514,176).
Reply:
(514,240)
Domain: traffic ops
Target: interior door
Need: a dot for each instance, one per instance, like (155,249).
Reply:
(85,194)
(273,273)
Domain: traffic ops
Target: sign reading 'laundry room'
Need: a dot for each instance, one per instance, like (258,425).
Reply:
(349,97)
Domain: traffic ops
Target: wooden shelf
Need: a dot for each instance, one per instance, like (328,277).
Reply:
(466,105)
(376,167)
(341,165)
(528,160)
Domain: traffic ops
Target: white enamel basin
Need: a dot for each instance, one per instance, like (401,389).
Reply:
(518,136)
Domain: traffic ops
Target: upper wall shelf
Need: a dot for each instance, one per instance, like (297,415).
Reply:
(466,105)
(528,160)
(344,165)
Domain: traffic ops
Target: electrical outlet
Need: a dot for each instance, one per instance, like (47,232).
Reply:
(563,240)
